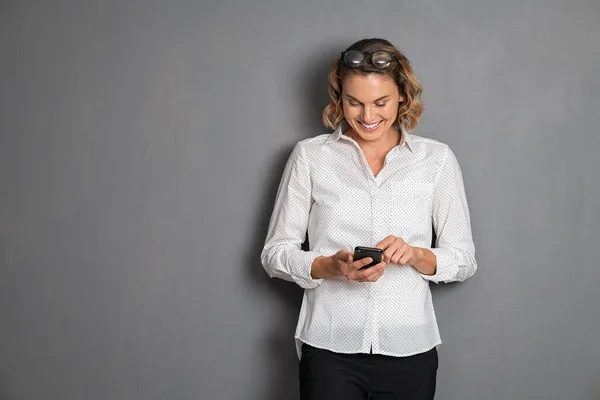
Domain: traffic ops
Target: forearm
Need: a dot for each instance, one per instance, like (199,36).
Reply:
(282,256)
(452,264)
(290,263)
(321,268)
(454,249)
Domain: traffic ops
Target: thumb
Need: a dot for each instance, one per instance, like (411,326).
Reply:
(345,256)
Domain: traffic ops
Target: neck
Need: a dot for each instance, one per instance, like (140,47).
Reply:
(385,143)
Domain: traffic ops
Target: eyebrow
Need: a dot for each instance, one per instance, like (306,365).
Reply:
(374,101)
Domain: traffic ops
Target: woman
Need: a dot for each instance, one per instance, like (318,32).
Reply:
(370,333)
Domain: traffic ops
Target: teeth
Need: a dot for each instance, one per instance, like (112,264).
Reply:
(371,126)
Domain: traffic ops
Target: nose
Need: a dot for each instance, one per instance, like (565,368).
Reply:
(367,114)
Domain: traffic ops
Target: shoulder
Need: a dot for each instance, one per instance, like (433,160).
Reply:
(314,142)
(427,144)
(313,147)
(439,154)
(428,148)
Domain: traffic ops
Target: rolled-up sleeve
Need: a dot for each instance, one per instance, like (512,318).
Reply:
(454,248)
(282,256)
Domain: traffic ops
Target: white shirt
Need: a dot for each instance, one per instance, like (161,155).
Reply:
(329,190)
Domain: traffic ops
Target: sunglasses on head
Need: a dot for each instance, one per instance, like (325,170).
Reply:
(379,59)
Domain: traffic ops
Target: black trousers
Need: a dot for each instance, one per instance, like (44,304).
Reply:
(325,375)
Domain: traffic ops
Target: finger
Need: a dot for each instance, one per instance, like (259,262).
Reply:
(350,257)
(407,256)
(376,272)
(345,256)
(402,253)
(402,256)
(352,268)
(372,277)
(386,242)
(391,251)
(358,264)
(368,274)
(377,276)
(399,254)
(356,275)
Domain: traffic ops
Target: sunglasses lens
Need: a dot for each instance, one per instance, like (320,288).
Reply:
(353,58)
(381,59)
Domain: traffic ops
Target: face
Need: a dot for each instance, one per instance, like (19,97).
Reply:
(370,105)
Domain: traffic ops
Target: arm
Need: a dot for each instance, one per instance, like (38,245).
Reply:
(282,256)
(425,261)
(397,251)
(454,254)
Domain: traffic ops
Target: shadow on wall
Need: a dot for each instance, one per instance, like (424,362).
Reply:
(312,84)
(278,344)
(279,350)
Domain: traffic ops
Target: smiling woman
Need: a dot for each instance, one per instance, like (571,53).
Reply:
(366,110)
(370,333)
(361,59)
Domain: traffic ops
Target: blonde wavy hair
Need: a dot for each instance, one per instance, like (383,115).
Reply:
(399,70)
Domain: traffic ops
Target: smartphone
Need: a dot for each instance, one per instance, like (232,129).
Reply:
(373,252)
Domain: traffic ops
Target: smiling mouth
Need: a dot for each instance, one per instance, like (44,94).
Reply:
(370,127)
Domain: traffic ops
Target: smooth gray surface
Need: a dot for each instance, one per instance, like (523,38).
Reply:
(141,143)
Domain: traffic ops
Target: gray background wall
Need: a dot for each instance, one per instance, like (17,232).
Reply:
(141,144)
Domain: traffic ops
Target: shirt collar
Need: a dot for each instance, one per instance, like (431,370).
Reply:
(339,133)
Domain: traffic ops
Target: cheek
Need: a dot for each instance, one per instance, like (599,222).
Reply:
(391,112)
(349,112)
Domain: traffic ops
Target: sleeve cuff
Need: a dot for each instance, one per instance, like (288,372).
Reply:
(446,268)
(302,268)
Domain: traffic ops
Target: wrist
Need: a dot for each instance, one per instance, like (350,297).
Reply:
(425,261)
(321,267)
(418,255)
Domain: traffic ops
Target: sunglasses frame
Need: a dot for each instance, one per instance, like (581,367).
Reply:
(368,55)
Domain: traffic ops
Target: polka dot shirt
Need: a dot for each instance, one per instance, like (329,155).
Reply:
(329,191)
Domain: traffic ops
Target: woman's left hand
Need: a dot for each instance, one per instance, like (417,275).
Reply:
(397,251)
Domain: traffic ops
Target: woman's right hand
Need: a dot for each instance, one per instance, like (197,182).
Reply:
(342,264)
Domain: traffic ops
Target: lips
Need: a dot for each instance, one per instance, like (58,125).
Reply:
(370,127)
